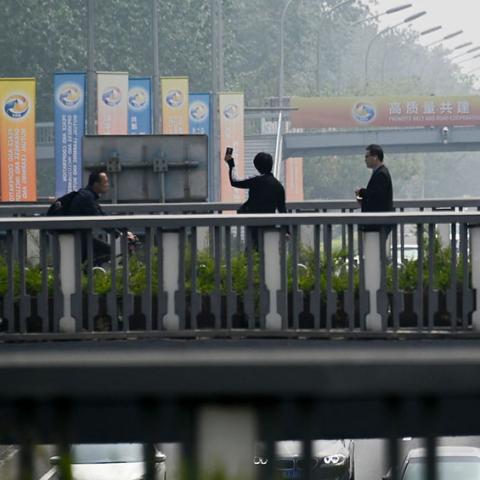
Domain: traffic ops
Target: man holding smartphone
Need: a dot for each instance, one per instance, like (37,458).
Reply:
(265,193)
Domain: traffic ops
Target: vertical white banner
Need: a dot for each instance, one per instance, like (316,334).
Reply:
(231,107)
(112,103)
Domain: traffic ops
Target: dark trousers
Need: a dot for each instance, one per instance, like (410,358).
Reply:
(101,250)
(254,235)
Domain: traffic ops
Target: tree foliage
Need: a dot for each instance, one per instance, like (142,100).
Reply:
(324,55)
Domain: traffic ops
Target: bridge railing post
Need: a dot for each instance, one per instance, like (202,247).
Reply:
(372,278)
(274,268)
(68,323)
(475,264)
(171,277)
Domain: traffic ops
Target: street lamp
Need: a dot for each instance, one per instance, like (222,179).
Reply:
(91,104)
(471,50)
(423,33)
(429,31)
(462,45)
(386,12)
(338,5)
(446,37)
(409,19)
(468,59)
(156,69)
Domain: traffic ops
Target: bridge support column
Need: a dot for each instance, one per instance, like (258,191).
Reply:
(475,262)
(226,442)
(171,277)
(372,272)
(67,280)
(272,264)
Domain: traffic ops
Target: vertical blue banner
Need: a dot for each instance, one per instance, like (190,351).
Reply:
(199,119)
(199,113)
(69,114)
(139,106)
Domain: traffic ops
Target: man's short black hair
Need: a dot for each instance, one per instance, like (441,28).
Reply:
(376,150)
(263,162)
(95,177)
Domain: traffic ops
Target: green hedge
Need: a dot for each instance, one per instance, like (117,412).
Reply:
(205,268)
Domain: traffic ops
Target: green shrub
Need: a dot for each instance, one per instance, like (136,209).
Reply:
(205,270)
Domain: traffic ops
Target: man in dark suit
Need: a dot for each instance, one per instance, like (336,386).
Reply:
(265,193)
(378,195)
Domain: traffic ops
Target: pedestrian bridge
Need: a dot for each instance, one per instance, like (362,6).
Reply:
(328,332)
(198,273)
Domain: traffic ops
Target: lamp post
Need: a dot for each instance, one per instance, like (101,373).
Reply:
(328,12)
(399,8)
(471,50)
(423,33)
(468,59)
(462,45)
(91,67)
(156,70)
(459,47)
(217,45)
(429,31)
(409,19)
(446,37)
(216,9)
(436,42)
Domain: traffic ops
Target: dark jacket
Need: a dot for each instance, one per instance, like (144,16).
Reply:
(265,193)
(85,203)
(378,196)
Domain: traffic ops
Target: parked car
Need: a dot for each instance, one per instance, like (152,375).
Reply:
(112,461)
(452,463)
(332,459)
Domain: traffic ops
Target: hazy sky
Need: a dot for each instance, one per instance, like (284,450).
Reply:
(453,15)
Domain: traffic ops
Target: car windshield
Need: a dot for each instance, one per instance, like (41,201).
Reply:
(451,468)
(107,453)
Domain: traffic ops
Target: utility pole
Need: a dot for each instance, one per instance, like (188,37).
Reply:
(217,86)
(281,73)
(156,70)
(91,104)
(214,20)
(221,78)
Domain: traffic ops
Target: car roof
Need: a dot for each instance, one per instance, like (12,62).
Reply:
(446,451)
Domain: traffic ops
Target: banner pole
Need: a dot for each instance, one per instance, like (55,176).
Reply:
(91,68)
(156,71)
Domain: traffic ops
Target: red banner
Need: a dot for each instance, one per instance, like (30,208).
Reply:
(401,111)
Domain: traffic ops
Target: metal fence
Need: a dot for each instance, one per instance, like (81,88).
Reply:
(261,274)
(324,206)
(250,375)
